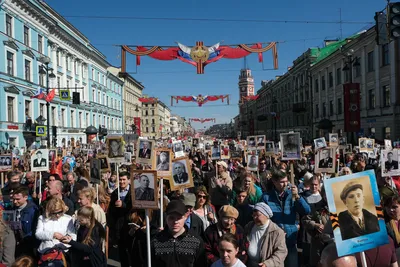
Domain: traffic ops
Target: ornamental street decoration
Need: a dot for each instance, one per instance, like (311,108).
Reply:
(249,98)
(200,100)
(202,120)
(199,55)
(150,100)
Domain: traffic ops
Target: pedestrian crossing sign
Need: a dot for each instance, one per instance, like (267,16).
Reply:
(41,130)
(65,95)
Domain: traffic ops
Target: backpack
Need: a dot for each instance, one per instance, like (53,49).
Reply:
(52,257)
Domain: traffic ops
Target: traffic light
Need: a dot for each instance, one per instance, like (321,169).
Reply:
(381,28)
(76,98)
(394,20)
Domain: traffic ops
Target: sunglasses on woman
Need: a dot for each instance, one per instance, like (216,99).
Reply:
(202,196)
(56,213)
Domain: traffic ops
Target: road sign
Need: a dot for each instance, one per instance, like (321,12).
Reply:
(65,95)
(41,130)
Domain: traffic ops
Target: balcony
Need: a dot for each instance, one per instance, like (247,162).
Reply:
(300,107)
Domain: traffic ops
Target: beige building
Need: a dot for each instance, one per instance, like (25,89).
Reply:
(132,91)
(156,120)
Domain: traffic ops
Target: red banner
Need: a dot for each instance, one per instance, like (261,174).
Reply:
(351,92)
(136,121)
(150,100)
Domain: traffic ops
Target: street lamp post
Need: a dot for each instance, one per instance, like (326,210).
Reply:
(45,69)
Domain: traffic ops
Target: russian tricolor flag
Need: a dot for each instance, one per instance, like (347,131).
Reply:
(39,93)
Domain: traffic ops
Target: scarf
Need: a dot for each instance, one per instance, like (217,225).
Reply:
(395,228)
(221,231)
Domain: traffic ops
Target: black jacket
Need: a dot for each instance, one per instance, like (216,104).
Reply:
(196,225)
(90,255)
(187,250)
(350,229)
(117,218)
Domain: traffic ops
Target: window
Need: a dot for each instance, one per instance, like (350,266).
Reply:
(317,111)
(94,95)
(371,99)
(330,79)
(93,74)
(339,106)
(357,68)
(72,118)
(385,55)
(324,110)
(26,36)
(331,108)
(94,120)
(63,117)
(152,112)
(104,99)
(28,109)
(147,129)
(323,83)
(10,63)
(68,84)
(75,67)
(87,120)
(338,76)
(370,61)
(99,97)
(53,115)
(152,121)
(40,43)
(386,95)
(8,25)
(316,85)
(58,82)
(147,121)
(10,108)
(67,62)
(41,79)
(27,70)
(154,129)
(386,131)
(107,103)
(58,57)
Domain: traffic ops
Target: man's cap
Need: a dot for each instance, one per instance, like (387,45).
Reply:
(176,206)
(223,164)
(228,211)
(348,188)
(189,199)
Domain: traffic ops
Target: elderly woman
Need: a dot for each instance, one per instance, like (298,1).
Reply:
(265,240)
(54,225)
(254,192)
(345,171)
(86,198)
(203,207)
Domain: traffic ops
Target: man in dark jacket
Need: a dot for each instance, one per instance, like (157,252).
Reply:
(355,221)
(176,245)
(118,216)
(26,217)
(193,221)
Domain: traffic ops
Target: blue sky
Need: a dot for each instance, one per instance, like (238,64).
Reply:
(165,78)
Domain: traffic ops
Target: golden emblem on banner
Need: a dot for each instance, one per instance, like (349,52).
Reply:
(199,53)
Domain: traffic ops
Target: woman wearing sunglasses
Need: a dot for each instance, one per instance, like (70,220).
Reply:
(54,225)
(203,207)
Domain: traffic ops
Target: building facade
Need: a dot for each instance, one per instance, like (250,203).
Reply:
(375,68)
(31,34)
(156,120)
(132,91)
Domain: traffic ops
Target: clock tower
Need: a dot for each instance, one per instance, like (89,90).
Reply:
(246,84)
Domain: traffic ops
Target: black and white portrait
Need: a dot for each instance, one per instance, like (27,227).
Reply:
(269,148)
(215,152)
(6,162)
(325,160)
(178,148)
(252,162)
(144,192)
(236,154)
(342,141)
(95,170)
(319,143)
(40,160)
(333,139)
(348,148)
(251,143)
(195,142)
(366,144)
(104,163)
(290,143)
(181,174)
(207,146)
(163,162)
(128,158)
(260,141)
(115,147)
(145,152)
(390,162)
(388,144)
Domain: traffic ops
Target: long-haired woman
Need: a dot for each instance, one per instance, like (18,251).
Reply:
(86,198)
(87,248)
(254,192)
(203,207)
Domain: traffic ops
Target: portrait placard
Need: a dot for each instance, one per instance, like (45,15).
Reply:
(127,158)
(290,143)
(348,149)
(95,170)
(115,147)
(357,218)
(320,143)
(104,163)
(215,152)
(366,144)
(52,158)
(181,174)
(177,147)
(144,153)
(6,161)
(333,140)
(225,152)
(260,141)
(388,144)
(40,160)
(390,162)
(325,160)
(195,142)
(252,162)
(251,143)
(236,154)
(269,148)
(163,162)
(145,190)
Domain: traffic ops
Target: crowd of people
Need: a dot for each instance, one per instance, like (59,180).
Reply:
(231,217)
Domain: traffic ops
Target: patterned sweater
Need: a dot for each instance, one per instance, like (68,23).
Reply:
(187,250)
